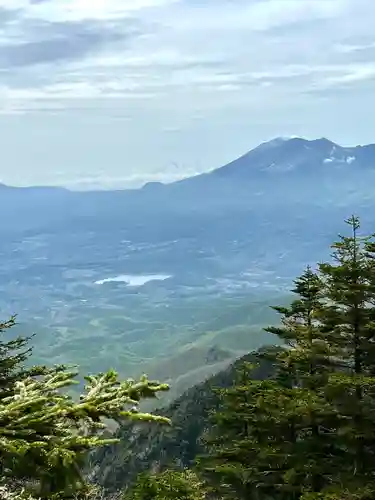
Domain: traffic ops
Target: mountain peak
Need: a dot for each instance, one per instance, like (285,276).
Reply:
(294,154)
(280,141)
(277,141)
(323,142)
(292,144)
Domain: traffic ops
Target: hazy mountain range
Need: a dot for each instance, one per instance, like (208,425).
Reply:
(227,244)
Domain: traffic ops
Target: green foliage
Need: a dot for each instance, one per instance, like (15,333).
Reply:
(290,423)
(348,322)
(306,361)
(168,485)
(149,447)
(13,355)
(45,435)
(311,429)
(360,493)
(349,313)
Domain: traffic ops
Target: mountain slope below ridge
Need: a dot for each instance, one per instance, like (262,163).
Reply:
(148,447)
(280,167)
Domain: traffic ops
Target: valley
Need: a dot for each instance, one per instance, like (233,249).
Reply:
(175,280)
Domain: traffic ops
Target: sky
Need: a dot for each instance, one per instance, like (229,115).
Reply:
(116,93)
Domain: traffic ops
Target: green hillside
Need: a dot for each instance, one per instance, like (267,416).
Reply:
(150,447)
(171,344)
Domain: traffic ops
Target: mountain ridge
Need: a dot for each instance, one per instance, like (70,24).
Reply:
(283,155)
(319,151)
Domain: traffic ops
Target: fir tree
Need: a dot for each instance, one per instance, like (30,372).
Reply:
(13,355)
(348,323)
(45,435)
(305,361)
(247,455)
(167,485)
(349,312)
(278,448)
(311,429)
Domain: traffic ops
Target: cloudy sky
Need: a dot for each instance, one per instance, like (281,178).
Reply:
(114,93)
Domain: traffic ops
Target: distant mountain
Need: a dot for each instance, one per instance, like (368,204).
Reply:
(284,160)
(285,155)
(279,155)
(283,166)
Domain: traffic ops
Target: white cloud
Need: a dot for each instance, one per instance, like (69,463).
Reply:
(350,49)
(352,75)
(78,10)
(83,183)
(183,68)
(190,44)
(257,15)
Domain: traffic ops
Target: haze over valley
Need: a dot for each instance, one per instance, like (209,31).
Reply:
(176,280)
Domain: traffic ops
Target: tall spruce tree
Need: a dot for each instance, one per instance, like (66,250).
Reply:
(348,323)
(305,361)
(349,312)
(243,460)
(309,433)
(277,449)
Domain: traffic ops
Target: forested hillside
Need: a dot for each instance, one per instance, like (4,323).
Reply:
(300,426)
(294,422)
(149,447)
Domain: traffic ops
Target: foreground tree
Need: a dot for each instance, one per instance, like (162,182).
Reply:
(309,431)
(256,449)
(45,435)
(348,323)
(14,353)
(306,365)
(305,361)
(168,485)
(243,457)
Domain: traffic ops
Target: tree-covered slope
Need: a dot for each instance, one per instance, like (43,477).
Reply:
(151,448)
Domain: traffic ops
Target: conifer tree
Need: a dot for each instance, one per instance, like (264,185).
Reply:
(13,355)
(349,312)
(246,455)
(167,485)
(348,323)
(305,362)
(45,435)
(274,447)
(310,430)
